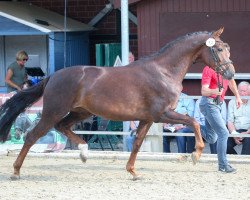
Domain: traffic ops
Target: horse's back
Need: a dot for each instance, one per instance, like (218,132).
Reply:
(116,93)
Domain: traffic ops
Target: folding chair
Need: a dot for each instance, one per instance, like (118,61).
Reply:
(102,126)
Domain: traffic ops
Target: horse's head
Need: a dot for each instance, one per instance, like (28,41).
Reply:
(216,54)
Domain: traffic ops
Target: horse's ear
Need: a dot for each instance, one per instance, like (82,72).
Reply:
(218,32)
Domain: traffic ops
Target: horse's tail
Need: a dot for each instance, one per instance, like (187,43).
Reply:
(17,104)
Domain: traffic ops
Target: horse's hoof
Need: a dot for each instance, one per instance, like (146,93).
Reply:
(194,158)
(137,177)
(182,158)
(83,152)
(14,177)
(83,158)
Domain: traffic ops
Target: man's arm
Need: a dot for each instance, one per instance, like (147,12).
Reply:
(233,87)
(224,111)
(190,107)
(231,116)
(197,113)
(206,91)
(132,125)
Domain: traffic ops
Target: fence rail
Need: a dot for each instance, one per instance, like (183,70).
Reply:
(128,133)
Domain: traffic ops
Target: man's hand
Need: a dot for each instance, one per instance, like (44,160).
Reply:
(238,102)
(18,88)
(217,92)
(233,87)
(238,140)
(179,126)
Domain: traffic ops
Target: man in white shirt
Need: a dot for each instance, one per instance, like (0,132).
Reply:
(239,121)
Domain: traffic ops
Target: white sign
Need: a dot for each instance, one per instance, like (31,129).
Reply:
(118,62)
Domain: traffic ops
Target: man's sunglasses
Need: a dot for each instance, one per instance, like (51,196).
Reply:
(25,59)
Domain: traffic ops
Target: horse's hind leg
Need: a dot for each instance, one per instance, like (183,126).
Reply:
(171,116)
(64,126)
(140,135)
(38,131)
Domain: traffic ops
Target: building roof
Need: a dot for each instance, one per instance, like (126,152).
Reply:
(117,3)
(38,18)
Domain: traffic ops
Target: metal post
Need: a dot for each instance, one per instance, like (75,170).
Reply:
(125,45)
(125,32)
(65,35)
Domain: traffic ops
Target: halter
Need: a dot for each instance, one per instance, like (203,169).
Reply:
(218,65)
(218,69)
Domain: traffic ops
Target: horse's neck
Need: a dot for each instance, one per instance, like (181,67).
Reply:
(176,60)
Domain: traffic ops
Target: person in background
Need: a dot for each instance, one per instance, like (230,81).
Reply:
(199,117)
(131,138)
(213,91)
(239,121)
(185,144)
(131,57)
(167,128)
(16,73)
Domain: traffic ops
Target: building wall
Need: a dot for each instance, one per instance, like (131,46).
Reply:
(77,50)
(108,29)
(149,14)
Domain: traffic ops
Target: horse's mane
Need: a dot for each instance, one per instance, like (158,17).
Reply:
(172,43)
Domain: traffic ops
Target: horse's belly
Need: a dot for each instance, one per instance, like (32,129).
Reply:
(118,111)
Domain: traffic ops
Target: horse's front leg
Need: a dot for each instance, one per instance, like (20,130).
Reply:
(140,135)
(171,116)
(37,132)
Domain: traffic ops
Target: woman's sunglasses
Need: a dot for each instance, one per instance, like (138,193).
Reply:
(25,59)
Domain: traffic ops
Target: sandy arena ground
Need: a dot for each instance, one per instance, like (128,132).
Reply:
(69,179)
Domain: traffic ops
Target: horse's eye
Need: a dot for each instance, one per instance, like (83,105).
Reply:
(219,49)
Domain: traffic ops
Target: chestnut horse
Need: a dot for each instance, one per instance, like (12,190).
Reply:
(146,90)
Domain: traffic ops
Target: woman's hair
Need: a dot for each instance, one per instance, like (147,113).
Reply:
(21,55)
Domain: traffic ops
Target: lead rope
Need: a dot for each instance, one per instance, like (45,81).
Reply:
(220,86)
